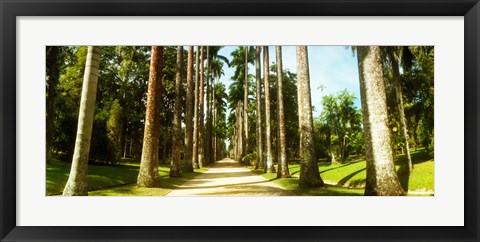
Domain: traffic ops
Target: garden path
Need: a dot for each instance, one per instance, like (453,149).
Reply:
(228,178)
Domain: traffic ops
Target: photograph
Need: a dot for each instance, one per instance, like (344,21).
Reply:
(238,120)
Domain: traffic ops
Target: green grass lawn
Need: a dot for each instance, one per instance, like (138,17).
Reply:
(112,180)
(349,178)
(291,184)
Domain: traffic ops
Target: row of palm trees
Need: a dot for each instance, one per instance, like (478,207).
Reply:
(381,176)
(201,144)
(198,146)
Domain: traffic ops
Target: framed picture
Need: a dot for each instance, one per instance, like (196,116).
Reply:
(29,215)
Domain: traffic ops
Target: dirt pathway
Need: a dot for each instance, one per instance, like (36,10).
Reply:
(228,178)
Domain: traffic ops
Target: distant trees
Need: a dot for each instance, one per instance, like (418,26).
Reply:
(238,96)
(341,124)
(417,82)
(53,74)
(392,56)
(77,180)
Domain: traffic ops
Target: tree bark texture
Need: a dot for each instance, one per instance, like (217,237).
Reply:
(188,165)
(77,181)
(208,129)
(195,111)
(309,174)
(259,164)
(148,175)
(382,179)
(177,143)
(282,149)
(245,102)
(269,168)
(201,103)
(239,135)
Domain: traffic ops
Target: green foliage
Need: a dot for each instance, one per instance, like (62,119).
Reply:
(249,158)
(220,125)
(122,85)
(417,87)
(236,88)
(290,103)
(114,128)
(339,127)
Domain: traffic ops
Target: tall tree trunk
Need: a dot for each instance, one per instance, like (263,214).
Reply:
(259,164)
(53,74)
(309,174)
(398,94)
(282,157)
(239,132)
(269,164)
(201,101)
(148,175)
(77,181)
(214,123)
(208,130)
(195,111)
(125,140)
(382,179)
(188,165)
(245,102)
(177,143)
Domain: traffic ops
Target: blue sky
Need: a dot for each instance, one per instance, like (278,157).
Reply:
(334,67)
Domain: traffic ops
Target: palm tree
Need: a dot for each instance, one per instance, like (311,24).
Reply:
(188,164)
(245,101)
(219,117)
(216,71)
(77,181)
(269,168)
(208,127)
(382,178)
(394,54)
(195,112)
(177,143)
(309,174)
(282,159)
(201,127)
(259,163)
(239,78)
(148,175)
(236,104)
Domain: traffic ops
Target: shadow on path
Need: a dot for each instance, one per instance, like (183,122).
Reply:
(228,178)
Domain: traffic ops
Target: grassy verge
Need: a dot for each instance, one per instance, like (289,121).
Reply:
(349,178)
(112,180)
(291,184)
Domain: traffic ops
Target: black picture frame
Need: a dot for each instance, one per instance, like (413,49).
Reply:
(10,9)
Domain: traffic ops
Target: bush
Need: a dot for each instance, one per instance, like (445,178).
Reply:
(247,160)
